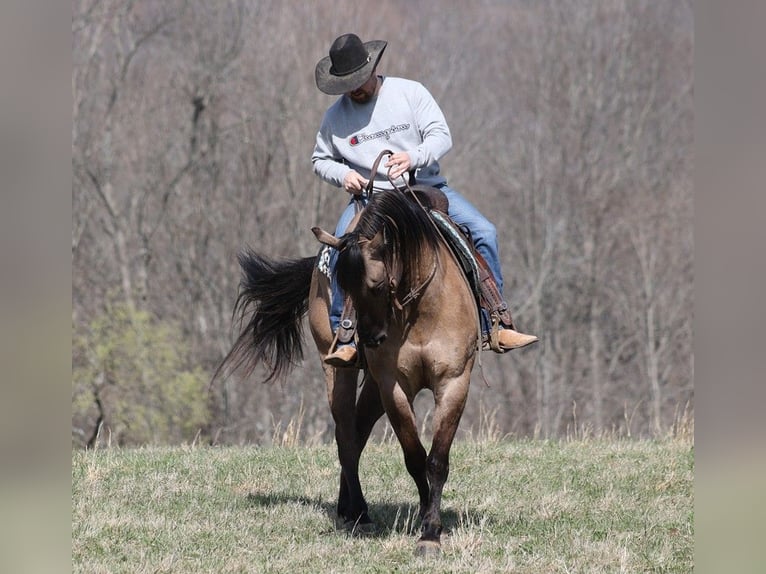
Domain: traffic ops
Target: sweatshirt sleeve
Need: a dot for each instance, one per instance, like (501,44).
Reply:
(327,165)
(433,128)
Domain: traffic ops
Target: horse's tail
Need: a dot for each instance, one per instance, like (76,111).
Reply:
(274,294)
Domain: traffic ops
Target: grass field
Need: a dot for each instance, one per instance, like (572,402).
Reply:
(527,507)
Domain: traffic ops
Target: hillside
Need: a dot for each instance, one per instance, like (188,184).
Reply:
(530,506)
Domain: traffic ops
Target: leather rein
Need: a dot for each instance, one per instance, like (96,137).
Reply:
(414,292)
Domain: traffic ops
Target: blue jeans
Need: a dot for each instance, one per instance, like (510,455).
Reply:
(462,212)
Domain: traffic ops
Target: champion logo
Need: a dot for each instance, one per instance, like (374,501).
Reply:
(357,139)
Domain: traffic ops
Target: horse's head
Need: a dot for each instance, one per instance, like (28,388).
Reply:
(363,272)
(390,251)
(370,281)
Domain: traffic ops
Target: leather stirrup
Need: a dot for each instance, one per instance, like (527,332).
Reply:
(491,299)
(347,326)
(494,328)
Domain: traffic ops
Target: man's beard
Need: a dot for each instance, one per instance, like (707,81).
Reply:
(360,96)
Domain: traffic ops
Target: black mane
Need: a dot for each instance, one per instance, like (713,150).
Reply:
(407,229)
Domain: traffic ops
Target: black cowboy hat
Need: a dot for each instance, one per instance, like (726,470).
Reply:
(349,64)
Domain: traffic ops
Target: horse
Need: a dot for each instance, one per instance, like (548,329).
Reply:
(417,323)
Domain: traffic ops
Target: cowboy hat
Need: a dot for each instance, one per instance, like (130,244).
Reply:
(349,64)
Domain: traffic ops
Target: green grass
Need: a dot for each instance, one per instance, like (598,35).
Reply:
(530,506)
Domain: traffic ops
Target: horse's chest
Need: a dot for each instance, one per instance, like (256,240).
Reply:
(425,366)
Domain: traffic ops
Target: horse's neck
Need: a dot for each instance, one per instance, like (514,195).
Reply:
(448,286)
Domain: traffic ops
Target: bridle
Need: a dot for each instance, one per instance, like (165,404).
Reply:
(415,292)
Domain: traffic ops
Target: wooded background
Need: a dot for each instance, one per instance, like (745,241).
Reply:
(194,124)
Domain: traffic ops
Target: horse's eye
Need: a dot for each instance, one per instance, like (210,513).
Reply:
(379,288)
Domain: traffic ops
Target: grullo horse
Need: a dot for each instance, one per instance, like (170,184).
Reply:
(417,329)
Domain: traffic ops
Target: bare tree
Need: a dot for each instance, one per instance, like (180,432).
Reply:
(572,127)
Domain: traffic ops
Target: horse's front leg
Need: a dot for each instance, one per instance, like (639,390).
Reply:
(398,407)
(341,383)
(449,398)
(368,410)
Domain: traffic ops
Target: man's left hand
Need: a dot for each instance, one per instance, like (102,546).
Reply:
(398,164)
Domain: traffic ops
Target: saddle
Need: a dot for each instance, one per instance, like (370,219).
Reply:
(474,266)
(472,263)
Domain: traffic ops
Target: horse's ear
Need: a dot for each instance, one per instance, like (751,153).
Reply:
(378,240)
(326,238)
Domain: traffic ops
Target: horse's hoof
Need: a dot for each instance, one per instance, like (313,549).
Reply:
(428,549)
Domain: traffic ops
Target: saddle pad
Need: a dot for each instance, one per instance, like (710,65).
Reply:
(458,243)
(323,261)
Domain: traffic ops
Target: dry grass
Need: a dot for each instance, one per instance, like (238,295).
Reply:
(530,506)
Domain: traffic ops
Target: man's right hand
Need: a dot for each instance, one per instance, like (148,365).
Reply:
(354,183)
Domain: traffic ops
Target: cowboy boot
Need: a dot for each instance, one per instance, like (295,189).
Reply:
(508,339)
(344,356)
(502,336)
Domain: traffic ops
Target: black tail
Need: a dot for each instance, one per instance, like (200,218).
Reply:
(275,295)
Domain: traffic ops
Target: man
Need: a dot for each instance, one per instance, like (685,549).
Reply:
(375,113)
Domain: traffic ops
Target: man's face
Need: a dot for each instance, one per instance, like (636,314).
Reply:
(366,91)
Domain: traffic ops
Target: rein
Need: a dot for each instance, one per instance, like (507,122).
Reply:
(413,293)
(370,187)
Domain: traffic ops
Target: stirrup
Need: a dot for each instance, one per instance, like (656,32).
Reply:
(491,340)
(341,354)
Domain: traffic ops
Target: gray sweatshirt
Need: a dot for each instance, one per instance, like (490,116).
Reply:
(402,117)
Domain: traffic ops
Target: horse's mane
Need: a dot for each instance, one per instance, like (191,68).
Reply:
(408,234)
